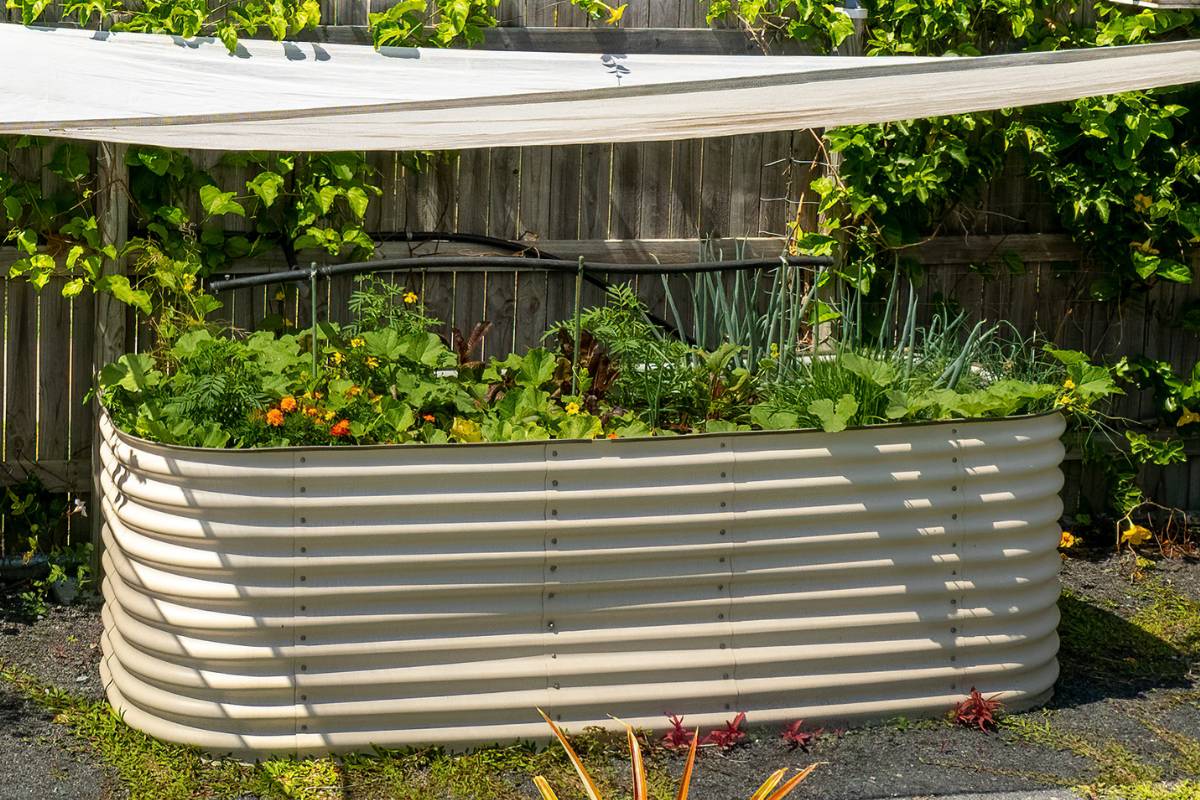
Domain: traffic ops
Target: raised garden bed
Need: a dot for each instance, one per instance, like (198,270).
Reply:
(306,600)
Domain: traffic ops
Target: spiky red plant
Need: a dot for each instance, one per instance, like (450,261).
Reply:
(978,711)
(727,737)
(795,736)
(679,737)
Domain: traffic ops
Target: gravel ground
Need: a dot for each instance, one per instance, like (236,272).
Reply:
(896,759)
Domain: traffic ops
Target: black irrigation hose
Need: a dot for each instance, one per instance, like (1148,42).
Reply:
(510,264)
(541,261)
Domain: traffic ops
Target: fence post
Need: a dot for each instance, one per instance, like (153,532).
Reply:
(112,216)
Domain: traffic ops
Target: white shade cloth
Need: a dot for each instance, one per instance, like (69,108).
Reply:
(162,90)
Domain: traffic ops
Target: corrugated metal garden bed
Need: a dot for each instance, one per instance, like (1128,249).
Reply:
(308,600)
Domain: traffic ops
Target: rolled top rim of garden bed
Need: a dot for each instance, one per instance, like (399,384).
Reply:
(134,439)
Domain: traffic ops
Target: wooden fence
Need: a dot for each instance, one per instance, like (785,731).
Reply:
(624,202)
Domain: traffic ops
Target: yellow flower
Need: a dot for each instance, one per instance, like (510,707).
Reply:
(1066,540)
(357,341)
(354,391)
(1068,384)
(1187,418)
(1141,202)
(281,295)
(372,362)
(572,408)
(774,350)
(339,357)
(1135,535)
(410,297)
(330,415)
(615,14)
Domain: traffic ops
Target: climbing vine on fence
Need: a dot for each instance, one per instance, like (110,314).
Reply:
(1121,171)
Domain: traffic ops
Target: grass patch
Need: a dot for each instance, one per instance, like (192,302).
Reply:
(153,770)
(1153,646)
(1186,790)
(1114,763)
(1172,618)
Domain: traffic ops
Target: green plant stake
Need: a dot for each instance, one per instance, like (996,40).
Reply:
(312,298)
(578,326)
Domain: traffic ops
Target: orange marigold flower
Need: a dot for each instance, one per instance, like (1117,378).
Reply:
(428,417)
(274,417)
(288,404)
(354,391)
(612,436)
(341,428)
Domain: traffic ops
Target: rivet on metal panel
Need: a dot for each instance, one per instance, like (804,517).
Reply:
(720,587)
(953,686)
(954,630)
(954,460)
(303,698)
(557,685)
(554,452)
(722,504)
(722,645)
(303,489)
(554,541)
(727,706)
(554,655)
(720,616)
(558,717)
(954,488)
(550,595)
(303,460)
(550,624)
(303,578)
(954,430)
(554,567)
(303,637)
(304,608)
(954,516)
(303,520)
(954,544)
(554,483)
(722,531)
(722,444)
(725,677)
(303,549)
(953,572)
(953,602)
(722,474)
(954,658)
(554,512)
(303,727)
(304,667)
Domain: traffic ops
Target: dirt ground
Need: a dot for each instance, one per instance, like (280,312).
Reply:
(1126,710)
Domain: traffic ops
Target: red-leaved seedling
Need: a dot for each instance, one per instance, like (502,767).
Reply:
(978,711)
(796,737)
(679,737)
(725,738)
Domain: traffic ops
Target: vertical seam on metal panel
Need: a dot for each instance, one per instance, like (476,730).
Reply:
(726,448)
(297,714)
(954,529)
(545,628)
(728,532)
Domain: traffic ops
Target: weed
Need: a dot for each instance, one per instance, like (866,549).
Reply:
(977,711)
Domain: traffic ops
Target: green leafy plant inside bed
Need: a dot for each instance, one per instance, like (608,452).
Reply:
(388,377)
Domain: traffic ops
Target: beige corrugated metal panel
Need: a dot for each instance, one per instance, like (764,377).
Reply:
(307,600)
